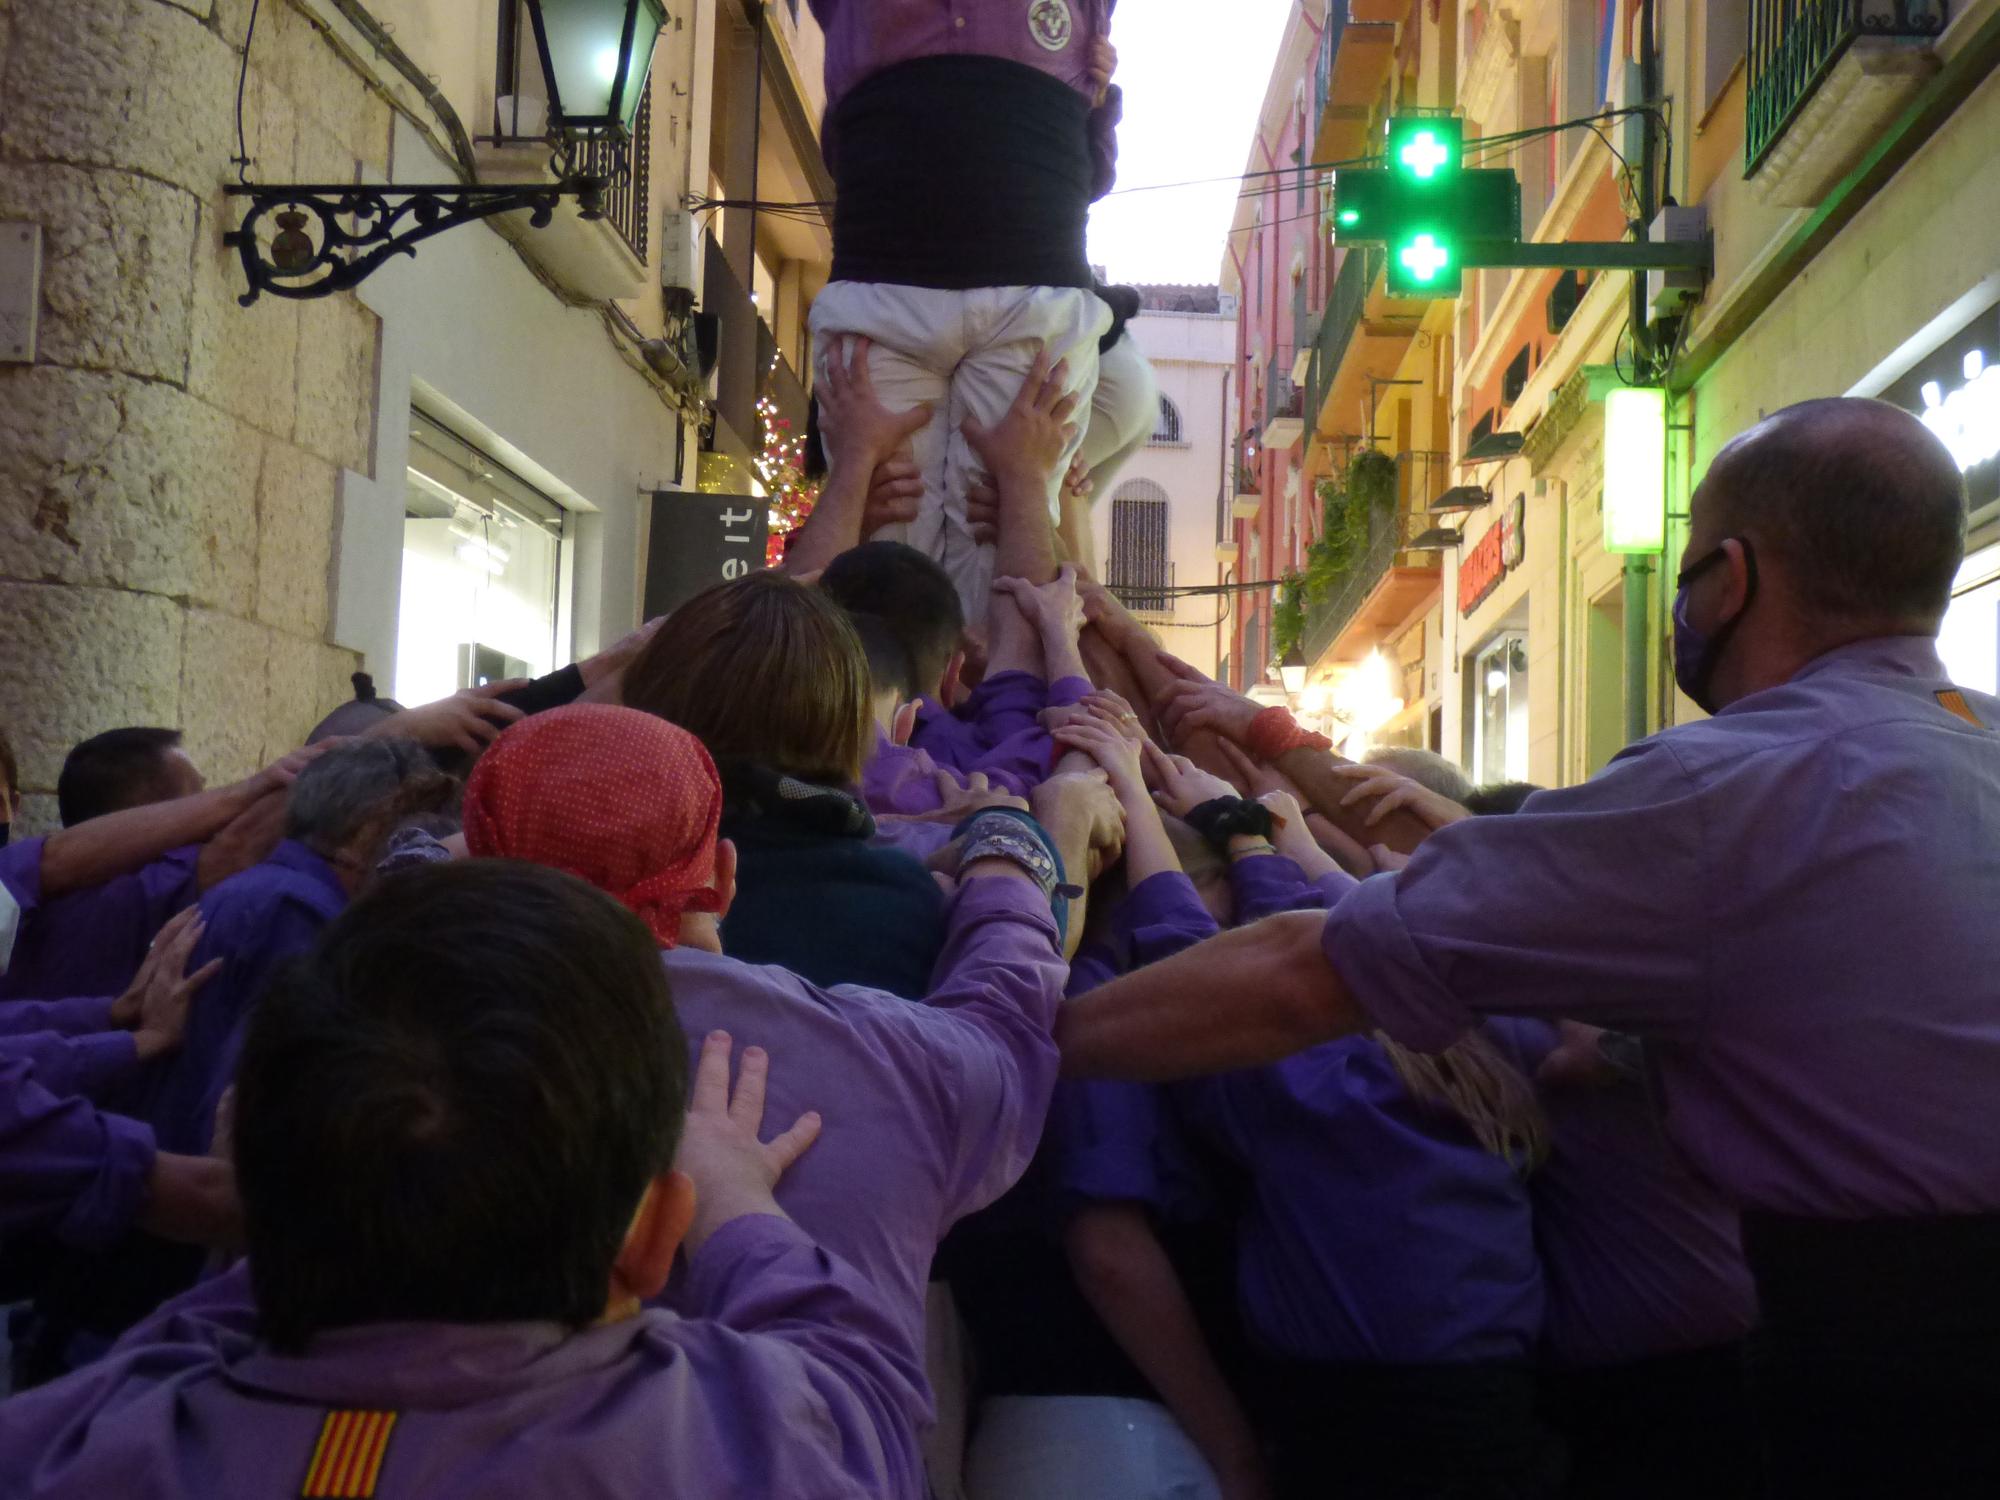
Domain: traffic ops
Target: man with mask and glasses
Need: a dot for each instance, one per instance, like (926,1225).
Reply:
(1795,902)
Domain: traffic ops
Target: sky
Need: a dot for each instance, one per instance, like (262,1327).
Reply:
(1194,73)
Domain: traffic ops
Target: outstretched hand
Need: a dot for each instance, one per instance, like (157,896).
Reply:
(1179,785)
(469,720)
(859,430)
(156,1003)
(1194,701)
(1383,791)
(1026,446)
(734,1173)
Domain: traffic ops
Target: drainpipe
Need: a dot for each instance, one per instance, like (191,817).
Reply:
(1639,570)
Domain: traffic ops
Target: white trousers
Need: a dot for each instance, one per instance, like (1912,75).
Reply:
(1084,1448)
(966,353)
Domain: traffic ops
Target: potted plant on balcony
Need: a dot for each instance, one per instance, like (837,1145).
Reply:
(1288,615)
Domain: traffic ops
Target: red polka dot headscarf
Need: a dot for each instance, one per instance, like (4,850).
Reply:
(611,795)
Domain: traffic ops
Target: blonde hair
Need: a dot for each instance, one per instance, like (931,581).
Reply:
(1472,1080)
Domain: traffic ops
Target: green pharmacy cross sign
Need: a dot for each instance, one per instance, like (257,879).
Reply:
(1437,217)
(1426,205)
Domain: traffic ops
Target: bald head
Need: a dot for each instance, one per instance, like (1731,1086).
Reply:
(1856,500)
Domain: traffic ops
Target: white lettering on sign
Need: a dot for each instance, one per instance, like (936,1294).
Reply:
(733,518)
(1968,420)
(735,567)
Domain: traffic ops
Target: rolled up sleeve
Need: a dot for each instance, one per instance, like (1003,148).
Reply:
(1595,904)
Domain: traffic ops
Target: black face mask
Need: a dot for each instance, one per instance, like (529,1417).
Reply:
(1696,656)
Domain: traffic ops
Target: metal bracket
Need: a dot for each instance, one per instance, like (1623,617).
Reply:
(1594,255)
(386,221)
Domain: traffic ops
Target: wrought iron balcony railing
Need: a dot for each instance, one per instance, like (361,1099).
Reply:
(1336,329)
(1794,45)
(1281,397)
(1389,532)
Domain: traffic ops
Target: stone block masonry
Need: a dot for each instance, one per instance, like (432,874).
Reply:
(168,469)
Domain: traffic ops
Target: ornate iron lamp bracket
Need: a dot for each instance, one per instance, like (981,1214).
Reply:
(360,226)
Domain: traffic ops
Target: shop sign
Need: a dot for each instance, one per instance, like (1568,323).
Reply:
(1492,557)
(1955,389)
(698,541)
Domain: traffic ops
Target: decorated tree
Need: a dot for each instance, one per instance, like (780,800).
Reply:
(781,468)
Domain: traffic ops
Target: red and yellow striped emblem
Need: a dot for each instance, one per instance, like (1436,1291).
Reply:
(347,1460)
(1952,701)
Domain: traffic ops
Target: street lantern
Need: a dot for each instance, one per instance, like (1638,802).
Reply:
(594,56)
(1292,670)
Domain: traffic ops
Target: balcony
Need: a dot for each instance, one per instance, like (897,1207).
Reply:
(1246,495)
(1825,77)
(1386,582)
(625,205)
(1284,407)
(1355,55)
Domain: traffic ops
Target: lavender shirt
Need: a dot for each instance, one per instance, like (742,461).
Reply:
(255,921)
(1111,1141)
(998,731)
(1794,901)
(92,941)
(89,1065)
(866,36)
(1642,1257)
(932,1109)
(64,1166)
(789,1380)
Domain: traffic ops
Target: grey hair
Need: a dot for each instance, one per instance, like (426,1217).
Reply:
(1425,767)
(1861,501)
(360,787)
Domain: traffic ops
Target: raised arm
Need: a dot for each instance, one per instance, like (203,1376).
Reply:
(1023,452)
(861,435)
(101,849)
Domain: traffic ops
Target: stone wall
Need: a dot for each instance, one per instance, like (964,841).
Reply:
(169,466)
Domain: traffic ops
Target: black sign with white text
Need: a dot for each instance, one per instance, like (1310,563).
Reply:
(699,541)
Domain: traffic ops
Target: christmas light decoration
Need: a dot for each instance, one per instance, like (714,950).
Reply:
(781,469)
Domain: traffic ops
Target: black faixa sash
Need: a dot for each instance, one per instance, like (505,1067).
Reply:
(1876,1367)
(961,172)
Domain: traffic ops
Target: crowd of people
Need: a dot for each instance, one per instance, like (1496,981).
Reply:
(828,1045)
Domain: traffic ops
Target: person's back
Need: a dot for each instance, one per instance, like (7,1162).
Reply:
(412,1106)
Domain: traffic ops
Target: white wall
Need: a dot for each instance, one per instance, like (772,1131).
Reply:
(1191,355)
(470,332)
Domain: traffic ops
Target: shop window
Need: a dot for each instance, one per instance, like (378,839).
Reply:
(1500,710)
(1969,640)
(482,570)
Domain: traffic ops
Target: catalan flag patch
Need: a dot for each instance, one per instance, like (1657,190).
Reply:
(347,1460)
(1951,700)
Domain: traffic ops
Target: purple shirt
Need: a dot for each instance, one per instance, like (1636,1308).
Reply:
(1264,884)
(791,1381)
(932,1108)
(1376,1230)
(255,921)
(64,1166)
(1794,901)
(92,941)
(866,36)
(1641,1256)
(1111,1141)
(998,730)
(88,1065)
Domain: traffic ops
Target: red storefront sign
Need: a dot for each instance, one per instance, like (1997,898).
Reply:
(1492,557)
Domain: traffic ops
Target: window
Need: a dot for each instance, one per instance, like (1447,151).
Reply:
(1139,572)
(482,564)
(1499,687)
(1167,432)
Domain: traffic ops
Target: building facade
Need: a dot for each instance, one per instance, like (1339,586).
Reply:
(1840,157)
(1156,530)
(211,514)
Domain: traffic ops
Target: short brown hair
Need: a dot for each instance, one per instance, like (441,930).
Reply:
(762,669)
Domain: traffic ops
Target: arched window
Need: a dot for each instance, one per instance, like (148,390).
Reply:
(1139,571)
(1167,432)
